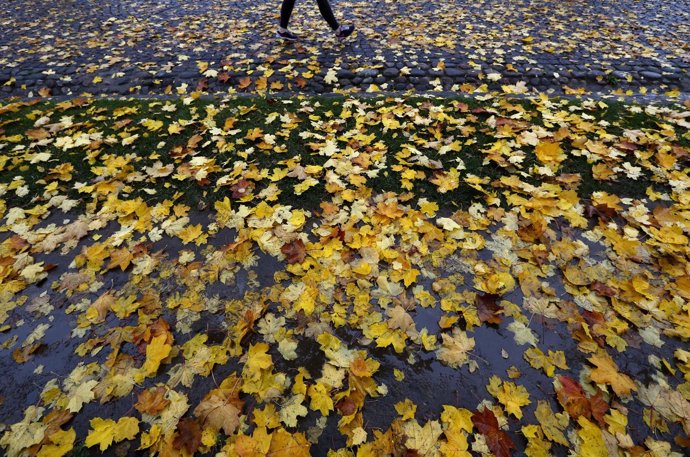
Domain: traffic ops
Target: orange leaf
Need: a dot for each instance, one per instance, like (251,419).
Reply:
(152,401)
(245,82)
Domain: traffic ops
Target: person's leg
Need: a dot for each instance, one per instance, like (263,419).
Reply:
(327,13)
(286,12)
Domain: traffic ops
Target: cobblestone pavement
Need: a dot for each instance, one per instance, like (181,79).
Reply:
(122,47)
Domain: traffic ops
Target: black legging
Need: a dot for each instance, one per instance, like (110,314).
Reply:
(324,7)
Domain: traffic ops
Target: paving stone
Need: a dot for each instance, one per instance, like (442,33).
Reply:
(187,74)
(650,75)
(391,72)
(344,73)
(369,72)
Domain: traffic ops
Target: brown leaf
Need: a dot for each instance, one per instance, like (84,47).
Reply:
(122,124)
(346,406)
(188,435)
(141,337)
(294,251)
(241,189)
(220,411)
(487,308)
(498,441)
(602,289)
(682,441)
(603,212)
(22,354)
(599,407)
(202,84)
(152,401)
(37,134)
(572,398)
(56,419)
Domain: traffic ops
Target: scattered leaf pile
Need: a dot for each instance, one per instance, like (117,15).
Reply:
(345,277)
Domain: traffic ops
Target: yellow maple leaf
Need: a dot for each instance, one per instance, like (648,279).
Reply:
(457,419)
(499,283)
(284,444)
(307,300)
(395,338)
(454,349)
(406,409)
(256,445)
(510,395)
(607,372)
(552,424)
(549,152)
(156,351)
(258,358)
(422,439)
(266,417)
(223,212)
(538,359)
(80,395)
(427,207)
(363,268)
(593,444)
(190,233)
(59,444)
(428,341)
(305,185)
(447,181)
(106,431)
(617,422)
(152,125)
(320,399)
(537,446)
(254,134)
(292,409)
(455,445)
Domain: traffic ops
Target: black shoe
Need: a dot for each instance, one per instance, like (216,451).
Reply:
(286,35)
(344,31)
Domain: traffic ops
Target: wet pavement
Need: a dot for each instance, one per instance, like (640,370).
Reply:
(126,47)
(425,381)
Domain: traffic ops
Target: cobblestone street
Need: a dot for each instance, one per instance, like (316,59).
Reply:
(219,46)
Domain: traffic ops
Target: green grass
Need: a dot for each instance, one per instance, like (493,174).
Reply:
(98,116)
